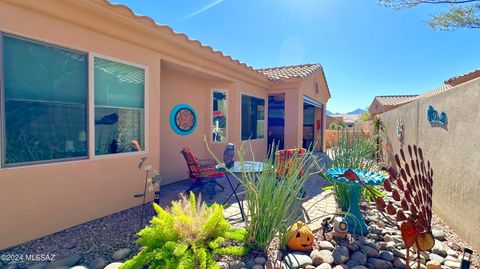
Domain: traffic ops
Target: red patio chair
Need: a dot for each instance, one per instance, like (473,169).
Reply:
(201,172)
(286,157)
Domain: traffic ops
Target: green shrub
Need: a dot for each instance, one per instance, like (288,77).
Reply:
(187,236)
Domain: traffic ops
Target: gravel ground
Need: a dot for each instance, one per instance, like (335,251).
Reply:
(452,237)
(97,238)
(102,237)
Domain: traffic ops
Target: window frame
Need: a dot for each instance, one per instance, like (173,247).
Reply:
(227,96)
(91,111)
(3,145)
(265,123)
(90,106)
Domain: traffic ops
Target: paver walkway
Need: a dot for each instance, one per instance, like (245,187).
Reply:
(317,204)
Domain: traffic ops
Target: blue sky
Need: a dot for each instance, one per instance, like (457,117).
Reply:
(365,49)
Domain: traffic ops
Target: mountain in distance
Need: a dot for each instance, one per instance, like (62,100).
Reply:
(356,111)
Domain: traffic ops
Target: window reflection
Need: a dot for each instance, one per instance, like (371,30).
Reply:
(219,116)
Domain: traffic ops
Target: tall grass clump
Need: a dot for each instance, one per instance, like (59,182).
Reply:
(354,151)
(272,201)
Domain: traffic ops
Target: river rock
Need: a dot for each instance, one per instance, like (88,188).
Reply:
(438,234)
(388,238)
(250,263)
(341,255)
(223,265)
(326,245)
(260,266)
(360,257)
(274,265)
(436,257)
(297,259)
(121,254)
(98,263)
(354,246)
(380,264)
(451,252)
(237,265)
(359,267)
(399,263)
(321,256)
(114,265)
(374,230)
(433,265)
(439,248)
(326,256)
(387,255)
(452,264)
(414,265)
(456,246)
(77,267)
(324,266)
(341,266)
(371,252)
(260,260)
(391,246)
(399,253)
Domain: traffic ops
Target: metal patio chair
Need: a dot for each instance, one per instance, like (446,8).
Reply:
(201,172)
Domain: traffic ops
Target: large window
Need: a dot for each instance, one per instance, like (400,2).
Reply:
(119,107)
(45,102)
(219,116)
(253,117)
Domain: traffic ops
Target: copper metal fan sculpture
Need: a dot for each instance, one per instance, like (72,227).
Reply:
(412,187)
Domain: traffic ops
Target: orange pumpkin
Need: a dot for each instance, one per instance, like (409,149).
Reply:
(300,237)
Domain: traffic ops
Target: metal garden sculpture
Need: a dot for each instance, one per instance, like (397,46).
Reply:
(412,188)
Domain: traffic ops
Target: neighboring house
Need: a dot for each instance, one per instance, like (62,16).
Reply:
(381,104)
(385,103)
(82,79)
(347,119)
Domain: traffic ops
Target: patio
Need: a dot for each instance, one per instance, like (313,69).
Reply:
(113,238)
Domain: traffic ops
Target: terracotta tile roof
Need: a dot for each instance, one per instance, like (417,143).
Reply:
(127,11)
(437,90)
(292,71)
(463,78)
(393,100)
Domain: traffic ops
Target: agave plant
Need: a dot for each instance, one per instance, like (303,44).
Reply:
(412,188)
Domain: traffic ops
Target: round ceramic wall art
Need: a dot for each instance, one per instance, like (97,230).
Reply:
(183,119)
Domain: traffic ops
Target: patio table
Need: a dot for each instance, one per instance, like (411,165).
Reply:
(249,167)
(356,222)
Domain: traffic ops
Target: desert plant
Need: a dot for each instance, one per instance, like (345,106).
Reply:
(356,151)
(187,236)
(273,201)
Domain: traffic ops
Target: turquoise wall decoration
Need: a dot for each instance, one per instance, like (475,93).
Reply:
(183,119)
(434,118)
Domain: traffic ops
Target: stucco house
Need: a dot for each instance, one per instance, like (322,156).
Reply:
(385,103)
(81,80)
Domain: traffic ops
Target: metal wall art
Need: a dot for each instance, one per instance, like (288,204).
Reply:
(434,118)
(400,130)
(183,119)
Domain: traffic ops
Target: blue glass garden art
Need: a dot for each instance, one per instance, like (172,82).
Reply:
(354,218)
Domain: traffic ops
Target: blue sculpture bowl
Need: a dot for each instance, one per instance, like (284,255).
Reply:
(367,177)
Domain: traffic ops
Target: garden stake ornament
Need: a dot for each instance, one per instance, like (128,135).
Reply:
(412,187)
(414,192)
